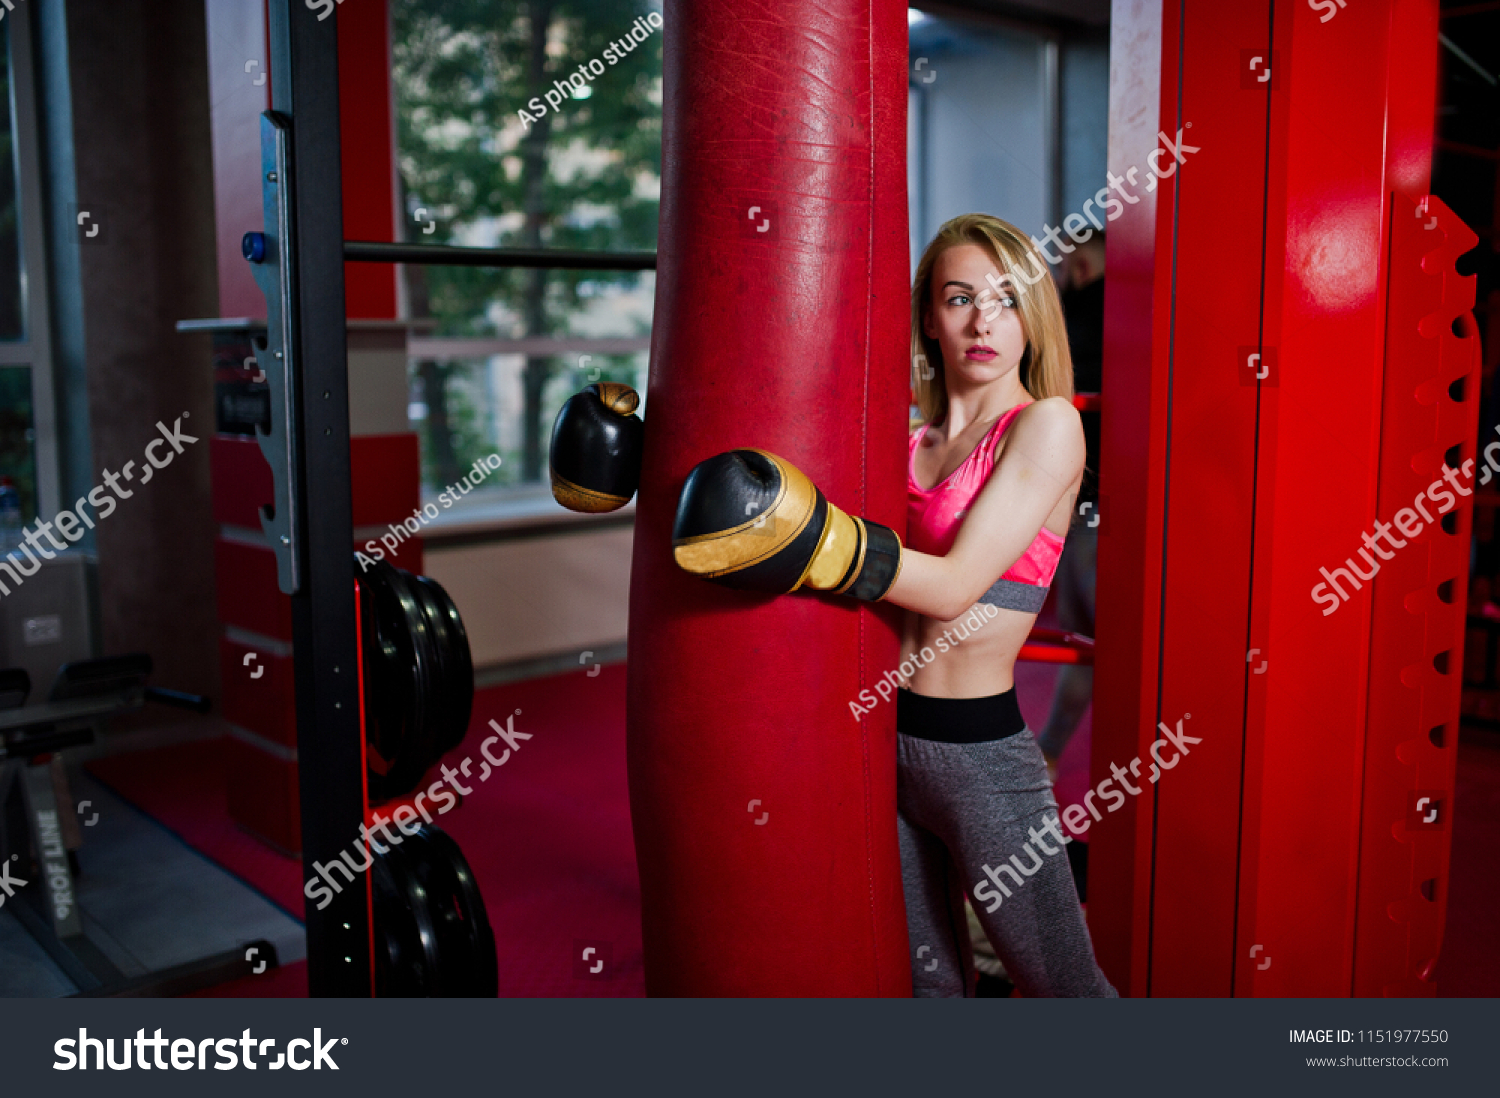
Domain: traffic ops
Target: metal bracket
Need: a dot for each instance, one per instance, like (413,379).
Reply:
(274,352)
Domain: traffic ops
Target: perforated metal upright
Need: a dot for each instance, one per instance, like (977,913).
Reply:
(1276,379)
(1428,419)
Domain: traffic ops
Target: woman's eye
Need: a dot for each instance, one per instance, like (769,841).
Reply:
(959,299)
(1009,302)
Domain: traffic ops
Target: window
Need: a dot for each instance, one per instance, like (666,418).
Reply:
(516,135)
(27,444)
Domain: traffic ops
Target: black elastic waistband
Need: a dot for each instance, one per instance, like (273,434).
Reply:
(958,720)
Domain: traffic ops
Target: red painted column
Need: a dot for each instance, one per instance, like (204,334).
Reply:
(1230,481)
(763,811)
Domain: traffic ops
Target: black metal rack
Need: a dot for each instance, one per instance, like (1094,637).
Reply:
(300,259)
(366,251)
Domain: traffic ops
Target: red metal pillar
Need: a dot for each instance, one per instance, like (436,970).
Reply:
(1248,427)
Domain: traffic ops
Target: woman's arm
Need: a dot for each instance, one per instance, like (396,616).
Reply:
(1041,463)
(910,626)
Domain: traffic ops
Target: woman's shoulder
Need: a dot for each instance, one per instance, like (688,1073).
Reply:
(1047,407)
(1048,415)
(1049,422)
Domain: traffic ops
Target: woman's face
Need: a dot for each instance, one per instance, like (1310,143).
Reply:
(978,328)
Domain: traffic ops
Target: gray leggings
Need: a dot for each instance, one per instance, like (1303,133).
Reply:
(962,807)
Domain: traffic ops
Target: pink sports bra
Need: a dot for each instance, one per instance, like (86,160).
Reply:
(933,516)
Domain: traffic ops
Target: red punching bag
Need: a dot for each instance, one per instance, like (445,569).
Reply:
(764,811)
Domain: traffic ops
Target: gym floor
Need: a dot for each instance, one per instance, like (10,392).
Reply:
(149,901)
(168,877)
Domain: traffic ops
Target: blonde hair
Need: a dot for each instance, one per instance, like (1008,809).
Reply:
(1047,366)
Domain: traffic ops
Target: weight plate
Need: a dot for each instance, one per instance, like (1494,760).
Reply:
(432,934)
(419,676)
(436,718)
(458,683)
(406,941)
(466,943)
(393,684)
(427,668)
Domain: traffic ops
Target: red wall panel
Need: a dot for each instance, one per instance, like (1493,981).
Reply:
(246,580)
(258,696)
(237,39)
(367,138)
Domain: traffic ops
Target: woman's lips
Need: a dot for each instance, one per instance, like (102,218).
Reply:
(979,354)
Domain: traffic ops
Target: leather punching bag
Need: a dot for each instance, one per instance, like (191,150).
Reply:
(764,811)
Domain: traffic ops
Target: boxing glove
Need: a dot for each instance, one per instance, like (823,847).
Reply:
(595,458)
(753,521)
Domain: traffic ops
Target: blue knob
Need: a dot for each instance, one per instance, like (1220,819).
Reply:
(253,247)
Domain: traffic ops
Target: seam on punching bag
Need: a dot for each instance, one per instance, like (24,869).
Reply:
(864,473)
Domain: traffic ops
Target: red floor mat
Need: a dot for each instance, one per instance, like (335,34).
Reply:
(548,835)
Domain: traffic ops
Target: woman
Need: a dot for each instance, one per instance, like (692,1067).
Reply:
(991,481)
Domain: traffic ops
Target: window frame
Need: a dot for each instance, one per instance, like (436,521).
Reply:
(34,350)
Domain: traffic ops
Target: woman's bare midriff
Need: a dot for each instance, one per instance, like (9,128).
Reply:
(975,666)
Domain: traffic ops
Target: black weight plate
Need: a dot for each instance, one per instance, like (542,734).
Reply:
(436,719)
(407,956)
(466,943)
(390,681)
(397,755)
(425,663)
(382,702)
(459,684)
(451,714)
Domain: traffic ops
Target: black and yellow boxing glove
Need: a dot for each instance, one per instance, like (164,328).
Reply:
(751,520)
(595,458)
